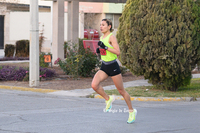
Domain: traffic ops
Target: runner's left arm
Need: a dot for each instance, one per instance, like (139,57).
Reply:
(113,42)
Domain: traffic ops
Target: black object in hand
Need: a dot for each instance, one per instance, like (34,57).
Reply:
(101,44)
(97,51)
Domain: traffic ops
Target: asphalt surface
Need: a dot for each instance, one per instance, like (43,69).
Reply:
(32,112)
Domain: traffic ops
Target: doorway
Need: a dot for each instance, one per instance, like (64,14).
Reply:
(1,32)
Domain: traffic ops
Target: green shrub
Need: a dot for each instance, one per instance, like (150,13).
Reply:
(9,50)
(42,63)
(65,49)
(161,40)
(79,61)
(22,48)
(89,60)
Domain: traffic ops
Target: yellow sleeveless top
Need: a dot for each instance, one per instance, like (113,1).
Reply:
(107,56)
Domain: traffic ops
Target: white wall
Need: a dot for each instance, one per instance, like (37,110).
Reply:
(40,2)
(19,25)
(81,25)
(20,28)
(45,19)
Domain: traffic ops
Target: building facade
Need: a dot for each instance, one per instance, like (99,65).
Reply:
(15,20)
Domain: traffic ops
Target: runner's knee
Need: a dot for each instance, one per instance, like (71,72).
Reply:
(122,91)
(95,86)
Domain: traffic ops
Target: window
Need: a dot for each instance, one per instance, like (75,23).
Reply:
(114,18)
(109,16)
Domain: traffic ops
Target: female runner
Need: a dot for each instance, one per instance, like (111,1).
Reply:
(109,50)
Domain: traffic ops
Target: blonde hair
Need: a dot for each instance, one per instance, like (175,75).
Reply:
(109,22)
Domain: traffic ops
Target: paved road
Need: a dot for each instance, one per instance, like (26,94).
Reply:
(29,112)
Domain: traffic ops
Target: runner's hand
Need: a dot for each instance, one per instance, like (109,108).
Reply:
(101,44)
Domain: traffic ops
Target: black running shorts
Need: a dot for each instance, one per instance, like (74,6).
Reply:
(111,69)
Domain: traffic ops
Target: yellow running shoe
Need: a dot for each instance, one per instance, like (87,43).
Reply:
(132,116)
(109,103)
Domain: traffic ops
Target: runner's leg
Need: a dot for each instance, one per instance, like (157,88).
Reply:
(118,81)
(98,78)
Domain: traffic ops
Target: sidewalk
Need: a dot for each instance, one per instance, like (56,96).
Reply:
(88,92)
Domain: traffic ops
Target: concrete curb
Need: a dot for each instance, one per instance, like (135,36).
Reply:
(13,61)
(27,89)
(89,92)
(158,99)
(68,93)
